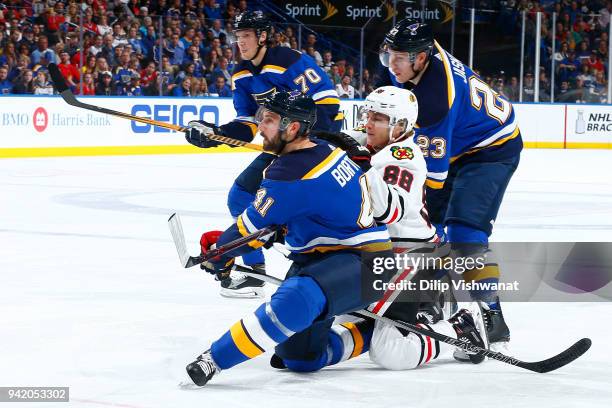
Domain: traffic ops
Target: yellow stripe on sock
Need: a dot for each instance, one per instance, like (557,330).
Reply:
(243,341)
(357,338)
(488,272)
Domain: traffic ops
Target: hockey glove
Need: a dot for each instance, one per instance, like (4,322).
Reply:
(356,152)
(215,266)
(198,131)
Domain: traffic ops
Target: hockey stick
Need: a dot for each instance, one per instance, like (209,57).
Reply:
(176,229)
(60,86)
(565,357)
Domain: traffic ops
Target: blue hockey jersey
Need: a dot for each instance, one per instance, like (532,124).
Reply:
(459,115)
(321,197)
(282,69)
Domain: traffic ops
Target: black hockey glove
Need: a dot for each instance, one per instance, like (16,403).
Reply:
(198,131)
(356,152)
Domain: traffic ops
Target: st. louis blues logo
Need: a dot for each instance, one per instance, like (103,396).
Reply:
(293,95)
(413,28)
(401,153)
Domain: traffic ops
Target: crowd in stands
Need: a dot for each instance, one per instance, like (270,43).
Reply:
(579,57)
(123,43)
(183,48)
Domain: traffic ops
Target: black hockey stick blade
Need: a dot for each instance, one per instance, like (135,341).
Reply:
(565,357)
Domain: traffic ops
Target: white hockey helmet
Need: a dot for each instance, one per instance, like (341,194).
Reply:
(400,105)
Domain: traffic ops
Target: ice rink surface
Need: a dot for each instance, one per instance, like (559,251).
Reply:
(92,295)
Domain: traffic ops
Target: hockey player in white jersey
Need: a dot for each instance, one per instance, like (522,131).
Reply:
(396,173)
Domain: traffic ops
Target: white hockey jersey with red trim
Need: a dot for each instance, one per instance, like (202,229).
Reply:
(396,182)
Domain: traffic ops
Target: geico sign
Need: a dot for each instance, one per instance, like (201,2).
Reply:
(175,114)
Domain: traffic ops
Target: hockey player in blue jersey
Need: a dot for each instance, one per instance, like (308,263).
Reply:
(471,142)
(262,72)
(321,197)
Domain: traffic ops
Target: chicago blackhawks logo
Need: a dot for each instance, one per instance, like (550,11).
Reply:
(401,153)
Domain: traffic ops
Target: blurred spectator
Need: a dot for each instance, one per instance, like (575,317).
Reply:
(88,22)
(42,86)
(512,89)
(130,85)
(27,39)
(43,51)
(69,71)
(499,87)
(103,27)
(583,52)
(175,50)
(367,84)
(602,51)
(96,47)
(148,40)
(334,75)
(212,11)
(90,66)
(598,89)
(528,88)
(9,56)
(344,89)
(187,71)
(604,15)
(6,86)
(108,52)
(24,84)
(568,67)
(350,71)
(199,87)
(594,62)
(23,63)
(217,28)
(106,85)
(53,20)
(327,62)
(220,88)
(311,41)
(184,89)
(119,35)
(101,66)
(222,70)
(229,55)
(87,86)
(187,39)
(211,60)
(544,87)
(148,75)
(585,75)
(134,41)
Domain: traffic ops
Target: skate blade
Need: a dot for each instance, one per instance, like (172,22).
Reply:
(244,293)
(461,356)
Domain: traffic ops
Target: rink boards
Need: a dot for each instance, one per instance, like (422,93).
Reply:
(47,126)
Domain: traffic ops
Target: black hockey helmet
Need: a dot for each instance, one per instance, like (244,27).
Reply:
(407,36)
(292,106)
(253,20)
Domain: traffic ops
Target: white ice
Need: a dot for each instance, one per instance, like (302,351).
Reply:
(92,295)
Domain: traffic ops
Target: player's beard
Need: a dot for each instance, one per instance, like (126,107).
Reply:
(274,144)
